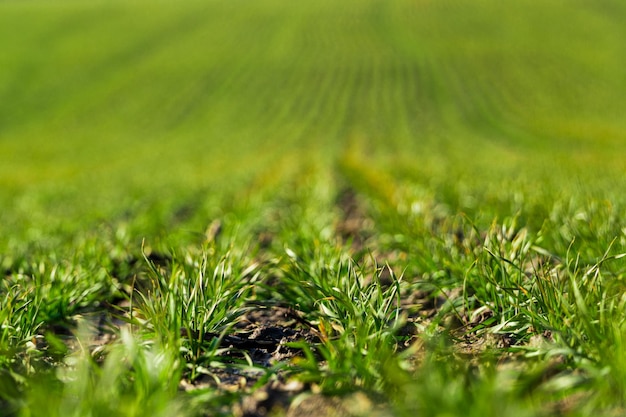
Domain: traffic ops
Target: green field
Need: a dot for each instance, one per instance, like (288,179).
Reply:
(365,207)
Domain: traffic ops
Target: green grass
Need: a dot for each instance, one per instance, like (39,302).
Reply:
(430,192)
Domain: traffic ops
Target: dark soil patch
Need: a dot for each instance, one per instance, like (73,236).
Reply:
(354,225)
(263,336)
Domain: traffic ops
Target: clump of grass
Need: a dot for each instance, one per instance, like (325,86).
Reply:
(47,296)
(135,378)
(194,301)
(356,316)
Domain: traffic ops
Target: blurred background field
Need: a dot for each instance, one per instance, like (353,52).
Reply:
(106,104)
